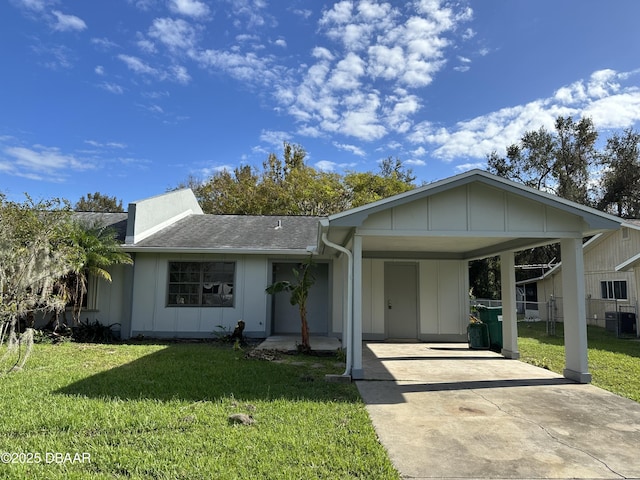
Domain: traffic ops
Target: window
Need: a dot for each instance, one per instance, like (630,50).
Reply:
(207,284)
(614,289)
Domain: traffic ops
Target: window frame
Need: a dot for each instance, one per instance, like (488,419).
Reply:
(200,287)
(614,290)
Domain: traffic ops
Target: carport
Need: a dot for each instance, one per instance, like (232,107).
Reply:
(434,231)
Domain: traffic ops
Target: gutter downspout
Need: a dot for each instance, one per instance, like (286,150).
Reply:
(349,329)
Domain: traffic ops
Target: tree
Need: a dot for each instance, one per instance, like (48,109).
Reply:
(367,187)
(575,155)
(288,186)
(621,177)
(298,295)
(556,162)
(98,202)
(34,254)
(97,249)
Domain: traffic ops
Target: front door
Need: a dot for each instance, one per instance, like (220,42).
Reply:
(401,300)
(286,317)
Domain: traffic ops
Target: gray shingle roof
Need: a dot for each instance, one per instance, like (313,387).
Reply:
(117,221)
(236,232)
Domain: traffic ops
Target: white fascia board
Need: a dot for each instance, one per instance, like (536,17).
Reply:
(628,264)
(229,251)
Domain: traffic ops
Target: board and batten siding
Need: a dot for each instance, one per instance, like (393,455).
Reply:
(474,208)
(601,260)
(443,312)
(151,316)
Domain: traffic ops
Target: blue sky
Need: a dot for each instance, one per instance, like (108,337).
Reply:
(130,97)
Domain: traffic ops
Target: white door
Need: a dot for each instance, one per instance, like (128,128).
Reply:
(401,300)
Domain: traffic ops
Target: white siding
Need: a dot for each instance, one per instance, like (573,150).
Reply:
(442,302)
(474,207)
(151,315)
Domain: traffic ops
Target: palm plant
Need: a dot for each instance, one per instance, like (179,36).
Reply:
(99,249)
(299,292)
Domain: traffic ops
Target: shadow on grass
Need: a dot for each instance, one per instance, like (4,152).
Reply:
(597,338)
(208,372)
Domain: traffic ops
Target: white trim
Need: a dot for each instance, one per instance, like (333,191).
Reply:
(217,250)
(133,239)
(628,264)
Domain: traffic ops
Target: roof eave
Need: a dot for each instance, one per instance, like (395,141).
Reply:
(219,250)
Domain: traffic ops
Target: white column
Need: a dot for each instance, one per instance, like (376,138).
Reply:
(357,371)
(575,315)
(509,313)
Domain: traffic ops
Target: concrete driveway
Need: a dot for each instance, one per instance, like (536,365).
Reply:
(444,411)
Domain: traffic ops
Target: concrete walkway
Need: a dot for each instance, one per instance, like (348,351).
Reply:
(444,411)
(289,343)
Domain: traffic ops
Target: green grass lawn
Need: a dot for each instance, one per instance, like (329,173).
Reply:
(160,411)
(614,363)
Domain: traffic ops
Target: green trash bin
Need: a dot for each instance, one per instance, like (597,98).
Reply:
(492,317)
(478,336)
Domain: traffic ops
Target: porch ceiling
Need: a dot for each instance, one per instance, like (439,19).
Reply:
(440,246)
(459,247)
(452,247)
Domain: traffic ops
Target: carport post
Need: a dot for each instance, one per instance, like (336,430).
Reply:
(509,314)
(357,373)
(573,305)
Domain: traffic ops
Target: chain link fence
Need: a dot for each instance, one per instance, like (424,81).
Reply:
(616,316)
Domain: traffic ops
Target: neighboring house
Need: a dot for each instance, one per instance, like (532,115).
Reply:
(610,285)
(631,265)
(393,269)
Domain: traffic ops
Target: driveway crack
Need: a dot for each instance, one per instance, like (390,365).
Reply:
(549,434)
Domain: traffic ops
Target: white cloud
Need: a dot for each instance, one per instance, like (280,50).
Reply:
(250,14)
(138,66)
(310,131)
(179,74)
(146,45)
(304,13)
(112,88)
(175,73)
(247,67)
(326,165)
(616,111)
(359,118)
(65,23)
(274,137)
(55,56)
(143,5)
(33,5)
(470,166)
(190,8)
(95,143)
(99,70)
(104,43)
(176,34)
(281,42)
(419,152)
(603,97)
(41,163)
(350,148)
(416,163)
(376,47)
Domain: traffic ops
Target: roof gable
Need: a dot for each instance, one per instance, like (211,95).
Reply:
(442,190)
